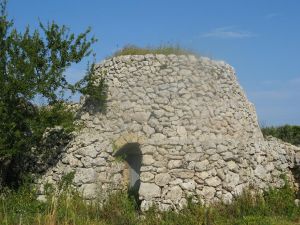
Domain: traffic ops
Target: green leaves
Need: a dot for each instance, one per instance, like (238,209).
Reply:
(32,64)
(286,133)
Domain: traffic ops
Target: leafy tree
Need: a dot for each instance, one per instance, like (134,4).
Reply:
(32,64)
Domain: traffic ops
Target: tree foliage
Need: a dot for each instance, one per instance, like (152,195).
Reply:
(286,133)
(32,64)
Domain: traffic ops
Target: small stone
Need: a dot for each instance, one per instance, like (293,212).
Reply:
(162,179)
(89,191)
(208,192)
(227,198)
(181,131)
(213,181)
(185,72)
(146,176)
(260,172)
(231,180)
(174,164)
(231,165)
(202,175)
(148,130)
(89,151)
(98,162)
(148,160)
(201,166)
(192,156)
(158,138)
(181,173)
(189,186)
(96,121)
(84,175)
(174,194)
(140,117)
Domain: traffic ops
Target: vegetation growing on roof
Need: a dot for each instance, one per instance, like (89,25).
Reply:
(162,49)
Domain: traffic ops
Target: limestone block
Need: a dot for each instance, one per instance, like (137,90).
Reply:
(148,149)
(192,156)
(98,162)
(202,175)
(84,175)
(89,191)
(181,131)
(189,185)
(162,179)
(260,172)
(182,173)
(231,180)
(201,166)
(146,176)
(158,138)
(231,165)
(148,130)
(185,73)
(208,192)
(213,181)
(149,191)
(89,151)
(174,194)
(148,160)
(140,117)
(175,164)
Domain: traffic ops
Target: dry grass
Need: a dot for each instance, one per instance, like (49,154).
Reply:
(163,49)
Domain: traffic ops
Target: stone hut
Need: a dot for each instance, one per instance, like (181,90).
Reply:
(174,127)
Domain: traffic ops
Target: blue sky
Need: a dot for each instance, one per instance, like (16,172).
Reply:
(259,38)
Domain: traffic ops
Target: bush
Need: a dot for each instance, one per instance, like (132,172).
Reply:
(287,133)
(33,65)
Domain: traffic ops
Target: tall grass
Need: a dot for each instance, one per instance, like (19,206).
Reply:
(273,207)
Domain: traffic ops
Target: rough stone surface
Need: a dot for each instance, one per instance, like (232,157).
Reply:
(149,191)
(197,133)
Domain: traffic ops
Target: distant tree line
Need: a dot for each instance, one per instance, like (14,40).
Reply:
(287,133)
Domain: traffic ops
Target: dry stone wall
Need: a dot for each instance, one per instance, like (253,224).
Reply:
(197,133)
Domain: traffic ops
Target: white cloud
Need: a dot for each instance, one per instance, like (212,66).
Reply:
(277,89)
(272,15)
(228,32)
(294,81)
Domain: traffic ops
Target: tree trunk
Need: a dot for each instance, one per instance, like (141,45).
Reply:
(4,165)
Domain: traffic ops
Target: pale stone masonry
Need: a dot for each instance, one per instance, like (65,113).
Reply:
(188,122)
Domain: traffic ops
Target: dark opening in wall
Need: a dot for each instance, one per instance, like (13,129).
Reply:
(132,155)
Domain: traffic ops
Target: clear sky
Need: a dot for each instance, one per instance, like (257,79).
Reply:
(259,38)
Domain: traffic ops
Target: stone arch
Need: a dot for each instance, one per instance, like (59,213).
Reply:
(131,154)
(127,138)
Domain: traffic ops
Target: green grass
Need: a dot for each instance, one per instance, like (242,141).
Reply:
(273,207)
(163,49)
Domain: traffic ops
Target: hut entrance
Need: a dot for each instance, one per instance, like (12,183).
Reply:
(132,155)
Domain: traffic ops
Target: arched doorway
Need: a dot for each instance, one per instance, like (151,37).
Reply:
(132,155)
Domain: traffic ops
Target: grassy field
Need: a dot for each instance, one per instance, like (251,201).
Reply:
(274,207)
